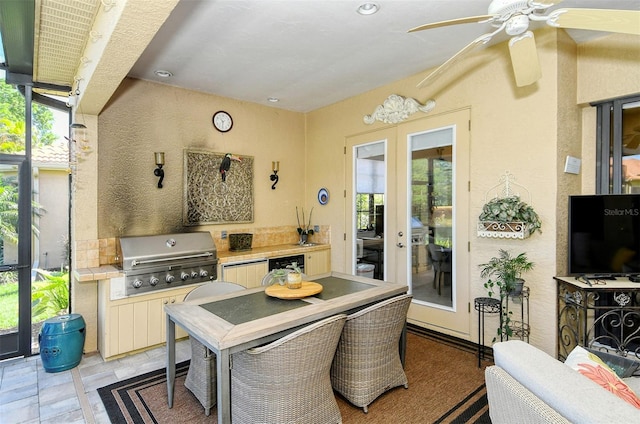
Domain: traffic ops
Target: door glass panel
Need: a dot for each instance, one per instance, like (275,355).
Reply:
(369,209)
(431,217)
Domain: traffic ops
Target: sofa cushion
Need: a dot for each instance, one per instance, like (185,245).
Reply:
(591,366)
(571,394)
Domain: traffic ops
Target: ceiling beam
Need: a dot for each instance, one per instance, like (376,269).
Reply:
(126,28)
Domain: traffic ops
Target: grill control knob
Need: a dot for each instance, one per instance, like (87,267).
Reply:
(137,284)
(169,278)
(184,276)
(154,280)
(194,274)
(203,273)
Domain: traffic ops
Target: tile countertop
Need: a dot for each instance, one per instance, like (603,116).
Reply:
(111,271)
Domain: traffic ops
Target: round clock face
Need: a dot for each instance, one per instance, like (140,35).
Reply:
(222,121)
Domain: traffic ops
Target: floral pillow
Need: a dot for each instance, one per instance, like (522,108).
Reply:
(591,366)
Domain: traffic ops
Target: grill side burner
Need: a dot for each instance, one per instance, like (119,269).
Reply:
(166,261)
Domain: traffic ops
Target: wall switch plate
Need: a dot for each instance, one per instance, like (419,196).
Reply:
(223,235)
(572,165)
(316,228)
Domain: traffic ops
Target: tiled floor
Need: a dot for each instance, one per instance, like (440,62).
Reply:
(29,394)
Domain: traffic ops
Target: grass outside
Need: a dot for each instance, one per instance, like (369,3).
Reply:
(8,305)
(49,297)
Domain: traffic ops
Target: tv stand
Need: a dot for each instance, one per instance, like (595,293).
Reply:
(605,314)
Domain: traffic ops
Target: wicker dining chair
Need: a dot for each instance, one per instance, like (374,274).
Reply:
(367,361)
(201,376)
(287,381)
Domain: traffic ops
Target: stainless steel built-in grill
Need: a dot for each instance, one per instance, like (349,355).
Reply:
(168,260)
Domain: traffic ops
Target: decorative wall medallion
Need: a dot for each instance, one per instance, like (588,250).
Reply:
(397,109)
(208,199)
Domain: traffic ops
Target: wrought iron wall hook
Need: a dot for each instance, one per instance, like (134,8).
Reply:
(275,166)
(159,172)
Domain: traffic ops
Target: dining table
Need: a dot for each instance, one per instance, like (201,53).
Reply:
(237,321)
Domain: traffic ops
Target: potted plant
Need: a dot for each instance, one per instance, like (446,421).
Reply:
(509,214)
(294,277)
(305,229)
(278,276)
(504,272)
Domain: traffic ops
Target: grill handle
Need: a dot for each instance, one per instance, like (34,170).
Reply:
(175,258)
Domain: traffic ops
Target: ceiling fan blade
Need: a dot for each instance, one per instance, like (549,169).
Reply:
(466,49)
(524,59)
(623,21)
(470,19)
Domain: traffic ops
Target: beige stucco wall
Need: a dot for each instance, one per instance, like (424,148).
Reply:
(50,190)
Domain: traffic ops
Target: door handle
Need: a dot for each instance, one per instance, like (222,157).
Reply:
(400,245)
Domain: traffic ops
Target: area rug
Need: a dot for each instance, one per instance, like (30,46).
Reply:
(445,386)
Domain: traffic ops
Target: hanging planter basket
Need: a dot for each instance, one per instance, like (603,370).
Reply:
(507,216)
(496,229)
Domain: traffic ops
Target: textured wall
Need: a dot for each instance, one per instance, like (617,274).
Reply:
(145,117)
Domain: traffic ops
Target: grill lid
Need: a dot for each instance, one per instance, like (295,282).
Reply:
(148,251)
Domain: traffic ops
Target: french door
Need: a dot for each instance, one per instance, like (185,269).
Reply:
(415,227)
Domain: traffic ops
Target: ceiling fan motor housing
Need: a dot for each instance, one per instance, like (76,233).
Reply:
(505,7)
(517,25)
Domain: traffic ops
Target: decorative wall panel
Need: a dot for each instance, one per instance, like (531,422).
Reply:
(210,200)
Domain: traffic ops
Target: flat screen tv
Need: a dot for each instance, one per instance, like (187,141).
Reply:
(604,234)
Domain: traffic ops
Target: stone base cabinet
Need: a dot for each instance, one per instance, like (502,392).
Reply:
(134,323)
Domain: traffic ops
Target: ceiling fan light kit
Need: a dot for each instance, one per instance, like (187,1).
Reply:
(514,17)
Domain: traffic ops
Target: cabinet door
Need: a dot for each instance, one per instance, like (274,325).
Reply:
(248,275)
(317,262)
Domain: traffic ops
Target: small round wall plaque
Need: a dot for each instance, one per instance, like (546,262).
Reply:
(323,196)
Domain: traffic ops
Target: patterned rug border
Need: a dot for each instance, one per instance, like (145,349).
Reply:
(116,396)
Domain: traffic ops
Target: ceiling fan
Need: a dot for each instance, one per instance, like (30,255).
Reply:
(514,16)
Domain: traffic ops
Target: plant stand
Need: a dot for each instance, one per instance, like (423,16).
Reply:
(520,327)
(484,305)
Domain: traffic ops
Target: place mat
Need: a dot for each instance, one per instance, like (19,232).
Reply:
(308,288)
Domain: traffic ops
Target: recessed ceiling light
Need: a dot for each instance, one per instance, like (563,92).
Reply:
(273,99)
(368,8)
(163,74)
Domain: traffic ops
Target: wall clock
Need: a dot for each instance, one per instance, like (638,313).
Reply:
(222,121)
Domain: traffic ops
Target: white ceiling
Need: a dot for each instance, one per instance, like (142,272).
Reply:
(311,53)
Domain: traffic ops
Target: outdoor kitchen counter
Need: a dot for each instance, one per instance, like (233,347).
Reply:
(105,272)
(268,252)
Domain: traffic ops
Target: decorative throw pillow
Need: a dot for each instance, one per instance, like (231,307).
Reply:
(591,366)
(623,366)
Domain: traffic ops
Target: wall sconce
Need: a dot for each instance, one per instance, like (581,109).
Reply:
(159,172)
(274,177)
